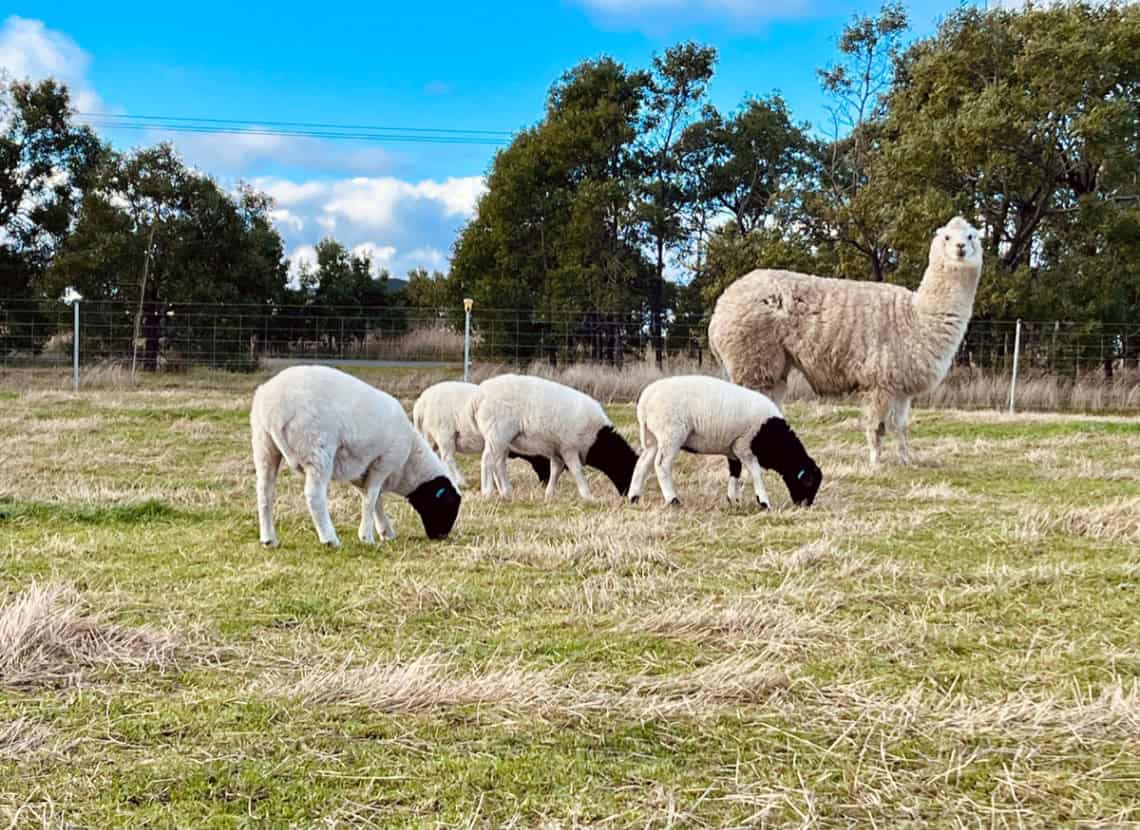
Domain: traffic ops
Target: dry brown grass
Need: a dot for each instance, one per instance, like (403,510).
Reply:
(426,683)
(20,738)
(1116,521)
(439,342)
(49,636)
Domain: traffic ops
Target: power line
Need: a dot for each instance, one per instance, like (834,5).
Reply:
(298,129)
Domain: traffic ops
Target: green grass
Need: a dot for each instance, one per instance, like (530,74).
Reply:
(949,643)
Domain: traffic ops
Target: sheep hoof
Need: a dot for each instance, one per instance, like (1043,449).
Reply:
(368,540)
(269,543)
(332,543)
(763,504)
(634,499)
(675,502)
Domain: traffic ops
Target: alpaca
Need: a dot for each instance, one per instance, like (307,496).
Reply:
(846,336)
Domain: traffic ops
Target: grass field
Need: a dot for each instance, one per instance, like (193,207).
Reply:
(955,643)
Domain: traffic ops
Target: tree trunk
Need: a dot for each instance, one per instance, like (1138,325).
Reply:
(152,332)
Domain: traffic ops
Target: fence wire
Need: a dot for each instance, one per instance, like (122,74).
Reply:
(177,337)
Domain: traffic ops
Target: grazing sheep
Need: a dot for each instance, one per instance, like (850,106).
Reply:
(443,415)
(541,417)
(709,416)
(847,336)
(330,425)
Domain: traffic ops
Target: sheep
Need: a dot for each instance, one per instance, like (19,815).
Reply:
(330,425)
(709,416)
(541,417)
(442,413)
(847,336)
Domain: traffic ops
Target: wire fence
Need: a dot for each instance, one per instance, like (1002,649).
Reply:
(167,337)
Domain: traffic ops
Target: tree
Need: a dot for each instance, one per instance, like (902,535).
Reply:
(555,240)
(46,164)
(841,210)
(678,84)
(158,234)
(1028,121)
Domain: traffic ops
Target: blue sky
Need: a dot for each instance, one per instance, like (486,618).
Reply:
(444,64)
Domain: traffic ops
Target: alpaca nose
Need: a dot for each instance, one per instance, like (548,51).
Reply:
(961,249)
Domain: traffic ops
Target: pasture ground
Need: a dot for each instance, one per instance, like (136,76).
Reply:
(955,644)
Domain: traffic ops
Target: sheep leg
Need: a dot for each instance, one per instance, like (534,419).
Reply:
(317,495)
(574,465)
(447,456)
(386,530)
(487,471)
(877,408)
(267,461)
(370,510)
(735,485)
(556,468)
(663,464)
(757,474)
(902,417)
(641,472)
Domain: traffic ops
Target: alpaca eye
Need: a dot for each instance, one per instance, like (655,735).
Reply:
(970,237)
(947,237)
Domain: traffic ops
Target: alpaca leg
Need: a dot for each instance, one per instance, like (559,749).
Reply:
(574,465)
(641,472)
(735,485)
(317,495)
(877,409)
(902,418)
(556,468)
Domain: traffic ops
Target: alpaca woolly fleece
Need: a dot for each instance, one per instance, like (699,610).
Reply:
(443,414)
(329,425)
(540,417)
(846,336)
(709,416)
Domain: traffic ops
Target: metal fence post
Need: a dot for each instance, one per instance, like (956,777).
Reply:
(467,303)
(75,346)
(1016,355)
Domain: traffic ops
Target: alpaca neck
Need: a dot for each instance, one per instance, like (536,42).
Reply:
(422,465)
(947,293)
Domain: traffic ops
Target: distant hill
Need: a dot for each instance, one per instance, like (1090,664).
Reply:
(395,285)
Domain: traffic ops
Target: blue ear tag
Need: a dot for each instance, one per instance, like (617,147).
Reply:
(800,474)
(440,492)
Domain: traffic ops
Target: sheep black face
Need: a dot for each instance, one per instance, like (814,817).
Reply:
(804,484)
(437,502)
(613,455)
(778,448)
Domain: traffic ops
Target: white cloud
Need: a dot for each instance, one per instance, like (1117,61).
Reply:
(246,154)
(30,50)
(401,224)
(657,15)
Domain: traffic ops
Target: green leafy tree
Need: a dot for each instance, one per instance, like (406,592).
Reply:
(158,234)
(677,87)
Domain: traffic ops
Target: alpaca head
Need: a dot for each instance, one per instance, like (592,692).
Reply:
(437,502)
(957,244)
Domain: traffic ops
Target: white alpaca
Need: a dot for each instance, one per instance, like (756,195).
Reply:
(849,336)
(709,416)
(443,414)
(330,425)
(540,417)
